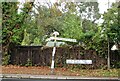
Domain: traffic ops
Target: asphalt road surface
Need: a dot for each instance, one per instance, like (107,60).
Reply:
(58,80)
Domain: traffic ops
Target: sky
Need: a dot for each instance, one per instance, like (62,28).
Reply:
(103,5)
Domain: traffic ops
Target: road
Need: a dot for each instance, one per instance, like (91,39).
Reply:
(58,80)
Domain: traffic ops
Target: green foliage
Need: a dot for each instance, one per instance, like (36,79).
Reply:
(65,20)
(26,40)
(6,59)
(118,72)
(9,28)
(71,27)
(12,30)
(12,26)
(29,63)
(31,33)
(43,24)
(37,41)
(111,23)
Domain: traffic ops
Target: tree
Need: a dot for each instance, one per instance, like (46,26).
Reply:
(111,23)
(79,21)
(71,27)
(43,23)
(12,25)
(112,27)
(67,20)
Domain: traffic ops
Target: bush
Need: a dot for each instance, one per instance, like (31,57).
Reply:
(29,62)
(6,59)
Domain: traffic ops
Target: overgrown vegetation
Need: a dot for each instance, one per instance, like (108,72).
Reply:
(12,26)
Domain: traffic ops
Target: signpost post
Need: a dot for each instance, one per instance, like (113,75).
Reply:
(53,53)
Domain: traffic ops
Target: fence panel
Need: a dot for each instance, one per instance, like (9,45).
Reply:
(41,56)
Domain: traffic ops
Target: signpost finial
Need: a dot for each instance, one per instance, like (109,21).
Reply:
(55,33)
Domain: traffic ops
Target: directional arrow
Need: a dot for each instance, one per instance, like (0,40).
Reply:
(63,39)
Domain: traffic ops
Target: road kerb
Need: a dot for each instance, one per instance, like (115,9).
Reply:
(51,77)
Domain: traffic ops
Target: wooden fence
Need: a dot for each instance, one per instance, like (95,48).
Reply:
(41,56)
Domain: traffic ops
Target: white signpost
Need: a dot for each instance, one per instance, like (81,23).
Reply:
(63,39)
(53,53)
(67,61)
